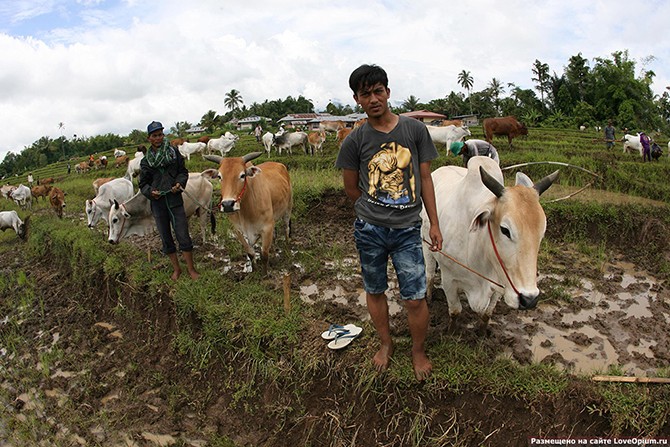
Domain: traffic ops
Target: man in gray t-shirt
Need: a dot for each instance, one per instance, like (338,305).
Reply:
(472,148)
(386,171)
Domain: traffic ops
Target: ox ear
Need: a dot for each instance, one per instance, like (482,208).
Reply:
(252,171)
(211,173)
(523,180)
(492,184)
(213,158)
(481,217)
(546,182)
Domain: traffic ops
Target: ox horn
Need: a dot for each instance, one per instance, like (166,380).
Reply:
(251,156)
(546,182)
(492,184)
(215,158)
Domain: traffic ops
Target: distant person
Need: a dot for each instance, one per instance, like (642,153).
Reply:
(472,148)
(258,132)
(609,135)
(69,168)
(163,176)
(646,147)
(30,179)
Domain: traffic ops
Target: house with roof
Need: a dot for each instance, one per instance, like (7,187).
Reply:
(424,116)
(195,129)
(468,120)
(250,122)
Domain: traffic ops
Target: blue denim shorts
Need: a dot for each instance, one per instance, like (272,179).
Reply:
(376,244)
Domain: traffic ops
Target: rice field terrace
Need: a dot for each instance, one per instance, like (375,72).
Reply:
(98,347)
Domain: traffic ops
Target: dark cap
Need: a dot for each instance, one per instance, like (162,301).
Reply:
(154,126)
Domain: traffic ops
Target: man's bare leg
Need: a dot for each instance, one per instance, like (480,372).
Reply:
(379,313)
(419,319)
(175,266)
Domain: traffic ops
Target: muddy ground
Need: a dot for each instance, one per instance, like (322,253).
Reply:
(611,313)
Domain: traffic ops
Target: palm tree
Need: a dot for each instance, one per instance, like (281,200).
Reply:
(209,120)
(496,89)
(541,72)
(466,81)
(411,103)
(233,100)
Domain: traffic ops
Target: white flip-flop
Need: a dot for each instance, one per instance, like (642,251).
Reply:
(335,329)
(344,339)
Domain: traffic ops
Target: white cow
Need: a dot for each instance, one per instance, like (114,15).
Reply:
(290,139)
(223,144)
(120,189)
(632,143)
(478,216)
(10,219)
(133,217)
(668,148)
(187,149)
(268,139)
(119,153)
(133,169)
(22,196)
(447,134)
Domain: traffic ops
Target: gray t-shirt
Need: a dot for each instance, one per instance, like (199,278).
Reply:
(388,167)
(474,148)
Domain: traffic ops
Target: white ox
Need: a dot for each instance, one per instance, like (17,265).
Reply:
(97,208)
(133,217)
(447,134)
(187,149)
(255,197)
(22,196)
(632,143)
(290,139)
(119,153)
(478,216)
(10,219)
(133,169)
(268,139)
(223,144)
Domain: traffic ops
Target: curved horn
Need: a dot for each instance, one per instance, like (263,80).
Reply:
(492,184)
(251,156)
(546,182)
(214,158)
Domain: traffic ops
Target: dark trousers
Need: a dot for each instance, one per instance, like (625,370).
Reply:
(168,219)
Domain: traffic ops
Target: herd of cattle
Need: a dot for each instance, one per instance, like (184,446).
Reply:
(491,219)
(493,231)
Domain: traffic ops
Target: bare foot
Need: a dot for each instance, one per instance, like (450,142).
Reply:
(175,275)
(383,357)
(422,365)
(194,274)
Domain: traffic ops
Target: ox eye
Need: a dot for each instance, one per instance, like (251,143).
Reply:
(505,231)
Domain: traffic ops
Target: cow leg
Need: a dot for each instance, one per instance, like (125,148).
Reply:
(431,265)
(248,249)
(266,243)
(451,292)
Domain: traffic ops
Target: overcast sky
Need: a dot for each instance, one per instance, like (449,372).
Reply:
(101,66)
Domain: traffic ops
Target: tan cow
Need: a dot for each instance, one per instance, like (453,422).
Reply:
(97,183)
(121,161)
(57,200)
(331,126)
(82,167)
(255,197)
(40,191)
(342,134)
(316,140)
(46,181)
(458,123)
(506,125)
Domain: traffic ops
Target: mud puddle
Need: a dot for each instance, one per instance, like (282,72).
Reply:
(618,320)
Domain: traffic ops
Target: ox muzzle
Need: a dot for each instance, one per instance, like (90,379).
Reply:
(229,206)
(527,302)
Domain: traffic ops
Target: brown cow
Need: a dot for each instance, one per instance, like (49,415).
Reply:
(315,140)
(97,183)
(331,126)
(255,198)
(82,167)
(458,123)
(204,139)
(57,200)
(178,142)
(342,134)
(46,181)
(121,161)
(40,191)
(507,125)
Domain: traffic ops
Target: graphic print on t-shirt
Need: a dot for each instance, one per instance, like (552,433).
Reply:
(390,175)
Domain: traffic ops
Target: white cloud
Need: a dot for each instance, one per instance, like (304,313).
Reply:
(113,66)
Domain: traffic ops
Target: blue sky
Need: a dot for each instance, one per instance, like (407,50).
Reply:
(113,66)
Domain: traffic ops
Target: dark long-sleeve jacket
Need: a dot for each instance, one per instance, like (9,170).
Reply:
(164,178)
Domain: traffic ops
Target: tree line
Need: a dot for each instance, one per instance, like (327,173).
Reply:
(583,94)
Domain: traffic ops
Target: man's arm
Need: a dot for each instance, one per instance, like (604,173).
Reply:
(350,178)
(428,197)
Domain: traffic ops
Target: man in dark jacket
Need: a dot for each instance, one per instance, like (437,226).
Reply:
(163,176)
